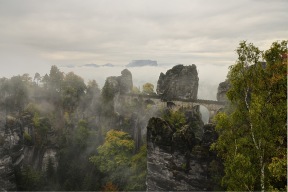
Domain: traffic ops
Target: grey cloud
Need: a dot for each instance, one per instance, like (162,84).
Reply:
(66,32)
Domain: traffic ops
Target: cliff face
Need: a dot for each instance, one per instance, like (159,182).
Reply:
(178,82)
(16,152)
(177,161)
(11,151)
(121,84)
(222,90)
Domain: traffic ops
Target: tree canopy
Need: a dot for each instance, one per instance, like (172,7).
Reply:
(148,88)
(252,131)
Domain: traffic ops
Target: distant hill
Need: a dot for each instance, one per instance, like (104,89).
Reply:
(91,65)
(141,63)
(108,65)
(96,65)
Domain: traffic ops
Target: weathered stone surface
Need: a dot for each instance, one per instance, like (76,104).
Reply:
(11,150)
(178,82)
(125,81)
(14,152)
(120,84)
(222,90)
(176,160)
(209,136)
(159,132)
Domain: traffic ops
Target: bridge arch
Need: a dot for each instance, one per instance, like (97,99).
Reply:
(204,112)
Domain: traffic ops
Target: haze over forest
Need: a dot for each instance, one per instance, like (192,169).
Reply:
(143,95)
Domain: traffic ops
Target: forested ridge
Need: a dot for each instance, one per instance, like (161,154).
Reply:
(94,144)
(78,136)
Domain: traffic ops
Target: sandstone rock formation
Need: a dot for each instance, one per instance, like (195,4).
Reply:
(177,161)
(178,82)
(15,152)
(125,81)
(120,84)
(222,90)
(11,151)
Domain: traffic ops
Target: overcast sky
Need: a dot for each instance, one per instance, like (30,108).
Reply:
(35,34)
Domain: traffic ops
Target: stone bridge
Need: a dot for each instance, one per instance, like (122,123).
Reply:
(212,106)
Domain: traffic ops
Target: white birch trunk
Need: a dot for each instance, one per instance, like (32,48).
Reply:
(262,176)
(257,146)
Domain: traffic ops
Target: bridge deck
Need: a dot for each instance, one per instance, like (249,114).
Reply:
(177,99)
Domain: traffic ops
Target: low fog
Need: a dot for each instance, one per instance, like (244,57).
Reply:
(209,76)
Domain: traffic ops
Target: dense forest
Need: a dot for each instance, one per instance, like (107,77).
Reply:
(94,144)
(79,137)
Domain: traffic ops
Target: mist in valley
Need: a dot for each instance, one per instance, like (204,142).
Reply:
(150,95)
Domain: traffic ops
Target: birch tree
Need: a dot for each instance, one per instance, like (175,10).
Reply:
(252,130)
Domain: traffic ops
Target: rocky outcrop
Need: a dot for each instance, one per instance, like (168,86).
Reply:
(177,161)
(16,151)
(125,81)
(120,84)
(11,151)
(178,82)
(222,90)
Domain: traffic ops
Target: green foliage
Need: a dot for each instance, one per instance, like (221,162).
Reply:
(114,156)
(82,134)
(252,134)
(91,99)
(176,119)
(185,138)
(148,88)
(30,179)
(215,170)
(63,112)
(136,90)
(107,95)
(50,168)
(55,79)
(115,152)
(241,179)
(42,126)
(36,120)
(278,167)
(108,92)
(45,81)
(37,78)
(137,180)
(73,88)
(27,138)
(14,92)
